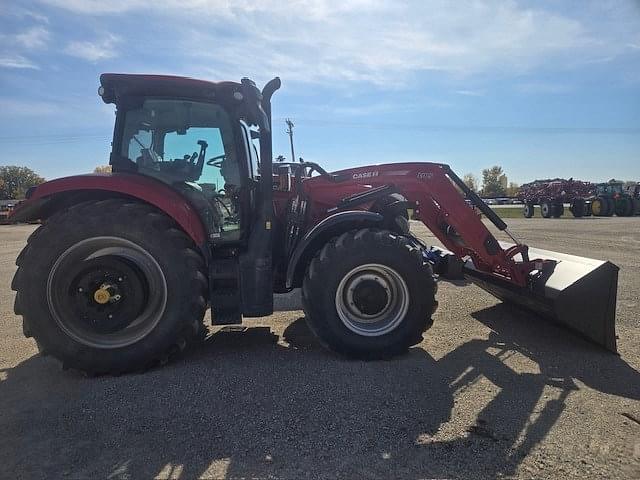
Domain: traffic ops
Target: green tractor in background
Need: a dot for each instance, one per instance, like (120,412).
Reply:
(610,198)
(634,193)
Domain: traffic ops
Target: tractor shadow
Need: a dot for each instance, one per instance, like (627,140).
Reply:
(248,404)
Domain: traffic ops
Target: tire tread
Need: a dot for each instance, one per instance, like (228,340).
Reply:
(124,213)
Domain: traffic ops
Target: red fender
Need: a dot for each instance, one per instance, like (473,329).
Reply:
(144,188)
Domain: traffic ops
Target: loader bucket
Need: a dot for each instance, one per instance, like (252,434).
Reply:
(580,294)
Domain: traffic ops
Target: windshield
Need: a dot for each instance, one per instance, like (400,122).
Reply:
(610,188)
(179,140)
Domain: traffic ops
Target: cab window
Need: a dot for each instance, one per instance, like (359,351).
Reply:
(190,143)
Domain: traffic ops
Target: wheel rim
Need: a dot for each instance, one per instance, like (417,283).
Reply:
(596,207)
(545,209)
(106,292)
(372,300)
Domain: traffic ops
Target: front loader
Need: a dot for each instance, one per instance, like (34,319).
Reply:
(194,215)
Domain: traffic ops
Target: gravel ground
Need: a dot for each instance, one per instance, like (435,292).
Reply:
(491,392)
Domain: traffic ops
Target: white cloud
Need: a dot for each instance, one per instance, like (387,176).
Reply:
(382,42)
(13,107)
(33,38)
(318,9)
(368,109)
(38,17)
(470,93)
(93,51)
(22,13)
(96,7)
(16,61)
(542,87)
(14,45)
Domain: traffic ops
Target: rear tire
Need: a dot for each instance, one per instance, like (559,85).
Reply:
(545,209)
(111,286)
(369,294)
(611,207)
(624,207)
(636,206)
(578,207)
(528,210)
(557,210)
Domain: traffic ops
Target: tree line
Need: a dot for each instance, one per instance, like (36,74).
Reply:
(493,183)
(15,181)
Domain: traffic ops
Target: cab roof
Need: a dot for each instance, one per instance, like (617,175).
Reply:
(118,85)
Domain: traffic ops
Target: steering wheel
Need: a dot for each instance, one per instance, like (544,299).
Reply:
(216,161)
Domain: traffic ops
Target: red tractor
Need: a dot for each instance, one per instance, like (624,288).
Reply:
(121,271)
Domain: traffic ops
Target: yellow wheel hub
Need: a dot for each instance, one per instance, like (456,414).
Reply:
(596,207)
(102,296)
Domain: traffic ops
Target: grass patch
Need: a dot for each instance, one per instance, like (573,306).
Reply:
(514,212)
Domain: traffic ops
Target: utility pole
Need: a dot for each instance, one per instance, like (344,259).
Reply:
(289,132)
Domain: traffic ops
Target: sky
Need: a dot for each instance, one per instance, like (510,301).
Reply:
(542,88)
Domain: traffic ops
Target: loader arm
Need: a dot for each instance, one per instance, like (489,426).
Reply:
(439,198)
(444,211)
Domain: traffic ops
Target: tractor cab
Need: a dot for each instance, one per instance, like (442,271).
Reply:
(202,138)
(610,189)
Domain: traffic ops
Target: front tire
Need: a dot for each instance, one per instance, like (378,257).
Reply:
(528,210)
(557,210)
(111,286)
(368,294)
(624,207)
